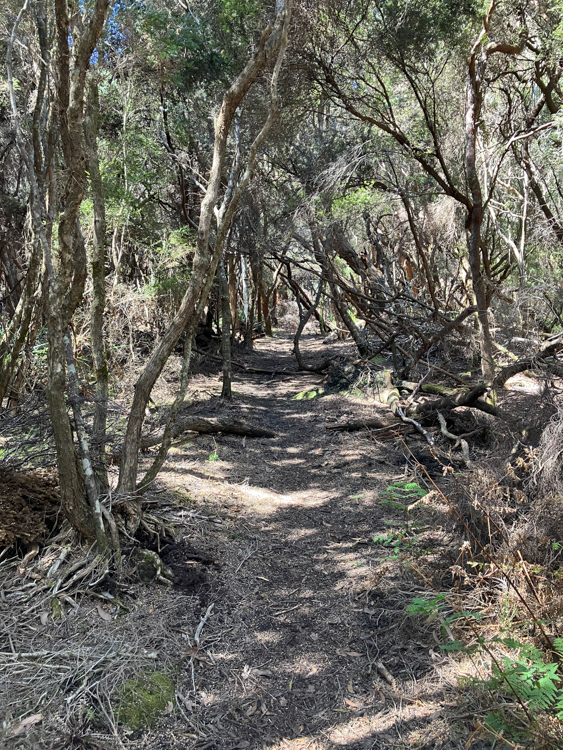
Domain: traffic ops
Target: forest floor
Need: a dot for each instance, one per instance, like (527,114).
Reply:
(297,560)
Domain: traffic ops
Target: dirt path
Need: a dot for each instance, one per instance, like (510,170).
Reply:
(286,628)
(308,644)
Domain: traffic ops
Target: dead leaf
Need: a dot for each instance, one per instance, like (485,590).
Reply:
(206,699)
(351,688)
(283,702)
(169,708)
(25,723)
(355,654)
(241,745)
(352,704)
(44,617)
(252,710)
(103,614)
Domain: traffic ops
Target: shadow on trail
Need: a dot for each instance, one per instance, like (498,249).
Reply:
(310,644)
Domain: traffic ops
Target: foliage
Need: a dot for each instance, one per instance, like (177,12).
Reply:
(526,675)
(401,494)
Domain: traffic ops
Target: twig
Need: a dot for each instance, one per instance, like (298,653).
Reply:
(384,672)
(202,623)
(457,440)
(416,389)
(245,558)
(285,611)
(416,425)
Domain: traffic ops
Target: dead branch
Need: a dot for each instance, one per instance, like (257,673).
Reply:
(204,427)
(363,424)
(427,436)
(444,332)
(458,441)
(465,398)
(508,372)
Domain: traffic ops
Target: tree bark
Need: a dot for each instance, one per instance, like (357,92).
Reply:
(98,291)
(226,391)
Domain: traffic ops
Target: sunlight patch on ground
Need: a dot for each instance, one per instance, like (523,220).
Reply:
(305,665)
(293,498)
(267,637)
(524,384)
(298,743)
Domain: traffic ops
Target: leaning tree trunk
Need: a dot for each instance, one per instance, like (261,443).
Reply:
(273,43)
(475,219)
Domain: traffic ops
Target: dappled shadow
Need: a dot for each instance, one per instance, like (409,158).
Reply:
(310,643)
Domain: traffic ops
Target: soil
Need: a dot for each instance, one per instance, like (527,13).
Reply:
(296,562)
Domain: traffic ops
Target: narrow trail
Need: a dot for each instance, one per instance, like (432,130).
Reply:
(308,644)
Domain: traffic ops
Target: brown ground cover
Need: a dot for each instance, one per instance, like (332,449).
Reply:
(286,626)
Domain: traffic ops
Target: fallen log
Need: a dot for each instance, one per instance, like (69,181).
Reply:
(515,369)
(548,349)
(209,427)
(204,427)
(432,388)
(465,398)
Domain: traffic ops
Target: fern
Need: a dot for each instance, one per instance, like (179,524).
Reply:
(529,677)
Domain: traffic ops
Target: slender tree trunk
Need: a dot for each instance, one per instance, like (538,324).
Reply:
(98,292)
(359,338)
(476,67)
(304,319)
(226,391)
(272,44)
(158,462)
(15,336)
(66,277)
(233,294)
(474,101)
(92,492)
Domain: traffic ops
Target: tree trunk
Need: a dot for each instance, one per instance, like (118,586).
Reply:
(225,332)
(66,276)
(476,67)
(474,101)
(272,44)
(233,294)
(14,338)
(98,292)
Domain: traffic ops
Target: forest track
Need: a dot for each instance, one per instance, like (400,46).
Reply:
(309,644)
(294,562)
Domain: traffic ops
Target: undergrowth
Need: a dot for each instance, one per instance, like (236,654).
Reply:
(503,611)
